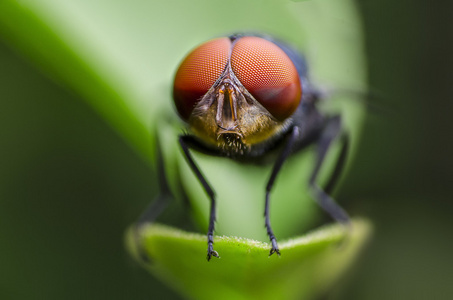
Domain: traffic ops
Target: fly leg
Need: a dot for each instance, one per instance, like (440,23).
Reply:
(289,145)
(185,141)
(156,207)
(329,134)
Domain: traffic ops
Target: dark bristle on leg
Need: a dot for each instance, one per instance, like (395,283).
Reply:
(185,142)
(289,145)
(331,132)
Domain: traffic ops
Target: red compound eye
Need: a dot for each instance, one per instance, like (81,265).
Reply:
(268,74)
(198,72)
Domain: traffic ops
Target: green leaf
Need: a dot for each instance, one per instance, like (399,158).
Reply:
(52,35)
(120,56)
(307,266)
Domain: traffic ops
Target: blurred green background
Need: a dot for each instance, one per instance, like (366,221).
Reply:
(63,181)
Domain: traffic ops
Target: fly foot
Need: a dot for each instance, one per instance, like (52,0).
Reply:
(274,248)
(211,252)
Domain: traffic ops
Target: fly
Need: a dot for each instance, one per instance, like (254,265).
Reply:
(246,97)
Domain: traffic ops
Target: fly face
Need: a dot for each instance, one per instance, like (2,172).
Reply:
(236,93)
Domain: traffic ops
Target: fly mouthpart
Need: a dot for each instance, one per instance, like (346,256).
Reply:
(232,132)
(231,142)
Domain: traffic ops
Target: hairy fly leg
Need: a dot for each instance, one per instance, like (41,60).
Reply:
(331,131)
(289,145)
(186,141)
